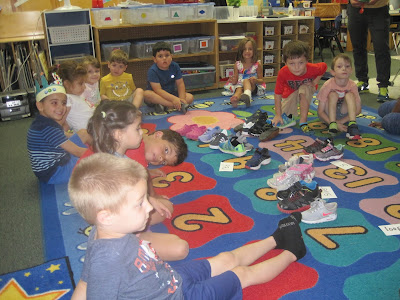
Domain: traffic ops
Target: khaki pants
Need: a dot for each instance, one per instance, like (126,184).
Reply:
(289,104)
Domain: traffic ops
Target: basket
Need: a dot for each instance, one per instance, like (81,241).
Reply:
(327,10)
(67,34)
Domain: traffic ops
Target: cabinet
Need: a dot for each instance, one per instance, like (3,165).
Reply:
(68,34)
(137,33)
(270,35)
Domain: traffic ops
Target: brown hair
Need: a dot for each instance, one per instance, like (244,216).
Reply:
(102,181)
(107,117)
(119,56)
(160,46)
(178,142)
(242,44)
(91,61)
(295,49)
(71,70)
(343,56)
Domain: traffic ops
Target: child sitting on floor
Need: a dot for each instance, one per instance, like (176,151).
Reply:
(339,101)
(115,128)
(111,193)
(92,91)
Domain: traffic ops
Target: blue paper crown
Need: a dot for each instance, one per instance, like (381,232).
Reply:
(43,88)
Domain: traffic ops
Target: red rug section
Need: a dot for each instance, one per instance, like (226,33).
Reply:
(200,220)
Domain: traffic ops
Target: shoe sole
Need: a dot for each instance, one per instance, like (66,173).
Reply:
(263,163)
(289,211)
(269,134)
(246,99)
(330,158)
(331,217)
(215,147)
(237,154)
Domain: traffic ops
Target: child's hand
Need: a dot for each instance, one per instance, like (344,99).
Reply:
(156,173)
(177,103)
(341,127)
(277,120)
(160,207)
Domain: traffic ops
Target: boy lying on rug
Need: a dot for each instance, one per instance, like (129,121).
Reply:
(111,193)
(115,128)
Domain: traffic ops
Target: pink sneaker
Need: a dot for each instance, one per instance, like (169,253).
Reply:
(196,132)
(185,129)
(291,176)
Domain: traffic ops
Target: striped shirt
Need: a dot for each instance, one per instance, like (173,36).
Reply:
(44,139)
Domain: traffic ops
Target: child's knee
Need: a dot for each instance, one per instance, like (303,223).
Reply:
(189,98)
(181,248)
(139,92)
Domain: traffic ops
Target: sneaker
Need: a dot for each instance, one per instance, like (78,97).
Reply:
(247,146)
(250,127)
(208,136)
(383,95)
(261,126)
(333,129)
(287,122)
(317,146)
(353,133)
(260,157)
(218,139)
(159,109)
(246,99)
(297,203)
(185,129)
(330,152)
(295,160)
(320,212)
(306,129)
(291,176)
(307,187)
(363,87)
(269,134)
(184,108)
(233,146)
(196,132)
(305,191)
(252,119)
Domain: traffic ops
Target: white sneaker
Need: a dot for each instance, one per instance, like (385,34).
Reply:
(320,212)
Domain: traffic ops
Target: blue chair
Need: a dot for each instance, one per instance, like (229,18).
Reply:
(324,35)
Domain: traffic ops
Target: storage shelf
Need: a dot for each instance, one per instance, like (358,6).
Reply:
(70,43)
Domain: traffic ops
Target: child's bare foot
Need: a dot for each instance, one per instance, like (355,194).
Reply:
(288,235)
(234,100)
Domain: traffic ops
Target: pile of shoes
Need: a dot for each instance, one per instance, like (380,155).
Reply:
(325,150)
(258,125)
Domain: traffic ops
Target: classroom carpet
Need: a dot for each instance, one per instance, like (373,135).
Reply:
(215,211)
(51,280)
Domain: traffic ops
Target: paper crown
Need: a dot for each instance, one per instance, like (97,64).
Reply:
(43,88)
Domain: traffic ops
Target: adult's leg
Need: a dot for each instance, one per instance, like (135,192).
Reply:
(386,108)
(391,122)
(378,23)
(358,29)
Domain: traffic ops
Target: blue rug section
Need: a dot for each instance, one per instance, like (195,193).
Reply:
(353,258)
(51,280)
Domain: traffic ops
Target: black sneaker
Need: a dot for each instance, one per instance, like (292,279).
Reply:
(184,108)
(298,202)
(260,126)
(158,108)
(252,119)
(363,87)
(260,157)
(317,146)
(353,133)
(300,189)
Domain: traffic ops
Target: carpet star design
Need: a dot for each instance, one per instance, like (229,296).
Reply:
(12,290)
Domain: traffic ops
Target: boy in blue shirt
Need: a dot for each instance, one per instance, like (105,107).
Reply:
(165,86)
(111,193)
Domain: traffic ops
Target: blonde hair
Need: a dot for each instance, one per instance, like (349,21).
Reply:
(102,181)
(342,56)
(119,56)
(242,44)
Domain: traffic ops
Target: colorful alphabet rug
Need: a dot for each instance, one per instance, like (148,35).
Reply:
(51,280)
(218,210)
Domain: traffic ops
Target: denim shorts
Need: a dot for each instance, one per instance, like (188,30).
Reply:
(197,283)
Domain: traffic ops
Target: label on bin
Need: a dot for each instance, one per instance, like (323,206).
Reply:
(176,14)
(177,48)
(203,44)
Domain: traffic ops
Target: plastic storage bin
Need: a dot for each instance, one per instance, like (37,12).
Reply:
(106,49)
(179,12)
(142,49)
(146,14)
(229,43)
(162,13)
(201,44)
(223,12)
(106,16)
(204,11)
(226,70)
(179,46)
(129,15)
(197,75)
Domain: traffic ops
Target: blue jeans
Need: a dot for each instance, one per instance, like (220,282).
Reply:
(390,120)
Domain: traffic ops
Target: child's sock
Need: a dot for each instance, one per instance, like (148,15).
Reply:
(333,127)
(247,92)
(306,129)
(288,235)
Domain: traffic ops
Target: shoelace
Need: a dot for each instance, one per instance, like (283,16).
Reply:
(315,205)
(327,148)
